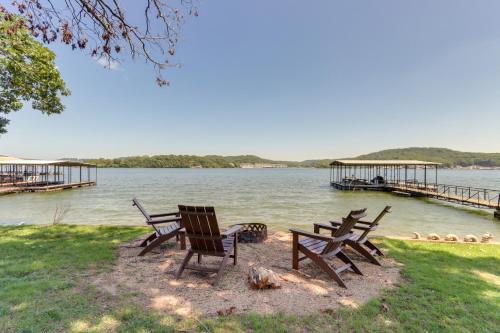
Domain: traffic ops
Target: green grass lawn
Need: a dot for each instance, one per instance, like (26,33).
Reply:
(44,273)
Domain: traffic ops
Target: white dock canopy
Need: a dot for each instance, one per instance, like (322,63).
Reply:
(10,160)
(383,162)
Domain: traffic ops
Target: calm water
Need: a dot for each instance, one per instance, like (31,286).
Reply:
(277,197)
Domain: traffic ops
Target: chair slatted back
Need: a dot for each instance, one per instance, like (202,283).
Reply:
(344,229)
(202,228)
(375,222)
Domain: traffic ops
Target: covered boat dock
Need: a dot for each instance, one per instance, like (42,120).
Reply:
(408,178)
(378,174)
(31,175)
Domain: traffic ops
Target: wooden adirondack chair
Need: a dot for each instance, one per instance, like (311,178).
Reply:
(319,248)
(360,242)
(161,233)
(205,238)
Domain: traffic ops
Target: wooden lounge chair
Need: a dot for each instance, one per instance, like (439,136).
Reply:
(205,238)
(172,228)
(319,248)
(360,242)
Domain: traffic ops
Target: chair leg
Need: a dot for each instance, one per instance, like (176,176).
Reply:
(235,253)
(361,250)
(221,269)
(182,236)
(372,246)
(295,252)
(199,258)
(327,269)
(342,256)
(157,242)
(148,239)
(184,263)
(318,260)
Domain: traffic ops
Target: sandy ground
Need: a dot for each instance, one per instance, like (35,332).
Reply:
(150,279)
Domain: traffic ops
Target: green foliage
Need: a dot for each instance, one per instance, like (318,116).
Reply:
(448,157)
(27,72)
(45,274)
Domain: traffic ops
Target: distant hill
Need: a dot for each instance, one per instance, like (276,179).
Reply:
(447,157)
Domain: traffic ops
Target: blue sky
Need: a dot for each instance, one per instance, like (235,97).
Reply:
(288,80)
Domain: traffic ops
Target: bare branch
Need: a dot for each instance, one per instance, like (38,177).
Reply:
(105,23)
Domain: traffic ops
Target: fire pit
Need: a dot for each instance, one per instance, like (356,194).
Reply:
(252,233)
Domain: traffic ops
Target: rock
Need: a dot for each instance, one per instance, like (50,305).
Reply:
(384,306)
(486,237)
(262,278)
(433,236)
(470,239)
(451,238)
(328,311)
(416,235)
(226,312)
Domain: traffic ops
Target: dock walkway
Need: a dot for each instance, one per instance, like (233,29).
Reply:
(43,188)
(477,197)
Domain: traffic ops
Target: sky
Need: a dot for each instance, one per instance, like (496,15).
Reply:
(287,80)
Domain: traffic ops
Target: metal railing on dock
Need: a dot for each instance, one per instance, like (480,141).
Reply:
(467,195)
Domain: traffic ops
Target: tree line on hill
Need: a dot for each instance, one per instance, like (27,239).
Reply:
(183,161)
(448,157)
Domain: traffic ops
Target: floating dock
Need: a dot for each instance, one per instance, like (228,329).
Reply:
(43,188)
(408,178)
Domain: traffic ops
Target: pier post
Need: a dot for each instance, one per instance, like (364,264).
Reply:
(497,213)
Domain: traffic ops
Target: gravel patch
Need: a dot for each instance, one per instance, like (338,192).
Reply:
(149,280)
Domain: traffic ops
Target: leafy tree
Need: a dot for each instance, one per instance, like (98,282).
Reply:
(27,71)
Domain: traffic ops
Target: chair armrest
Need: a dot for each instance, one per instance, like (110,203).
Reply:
(232,230)
(310,234)
(360,227)
(335,223)
(159,221)
(325,226)
(363,222)
(342,238)
(335,228)
(164,214)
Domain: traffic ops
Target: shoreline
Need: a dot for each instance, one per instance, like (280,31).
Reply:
(270,231)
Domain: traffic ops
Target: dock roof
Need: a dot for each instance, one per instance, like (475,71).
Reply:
(10,160)
(383,162)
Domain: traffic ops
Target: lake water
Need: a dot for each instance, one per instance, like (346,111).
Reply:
(280,198)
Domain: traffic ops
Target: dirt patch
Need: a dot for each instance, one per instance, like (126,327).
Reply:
(150,281)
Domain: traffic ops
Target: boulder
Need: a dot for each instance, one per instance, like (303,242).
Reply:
(470,239)
(263,278)
(486,237)
(416,235)
(433,236)
(451,238)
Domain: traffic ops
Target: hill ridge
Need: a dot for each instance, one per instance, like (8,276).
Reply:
(448,157)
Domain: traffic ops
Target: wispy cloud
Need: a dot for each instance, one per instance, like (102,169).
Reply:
(109,63)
